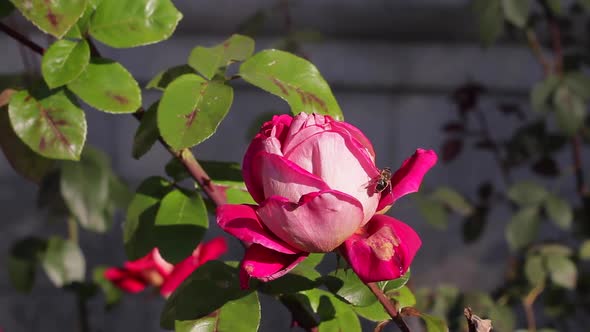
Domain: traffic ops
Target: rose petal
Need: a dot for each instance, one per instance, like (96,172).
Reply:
(342,163)
(382,250)
(203,253)
(125,280)
(281,177)
(319,223)
(266,264)
(242,222)
(151,261)
(268,139)
(408,177)
(356,134)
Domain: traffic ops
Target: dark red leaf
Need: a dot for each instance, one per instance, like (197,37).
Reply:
(467,96)
(451,149)
(485,190)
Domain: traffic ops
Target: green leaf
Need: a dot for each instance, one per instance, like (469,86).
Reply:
(527,193)
(554,249)
(23,160)
(180,224)
(84,185)
(207,289)
(570,110)
(433,211)
(542,92)
(138,229)
(64,61)
(562,271)
(453,200)
(403,297)
(335,315)
(578,83)
(534,269)
(111,292)
(63,262)
(292,78)
(503,318)
(348,286)
(584,251)
(555,7)
(166,77)
(559,211)
(395,284)
(191,109)
(207,60)
(238,196)
(491,20)
(147,133)
(434,324)
(130,23)
(50,124)
(522,228)
(374,312)
(241,315)
(22,262)
(106,85)
(55,17)
(516,12)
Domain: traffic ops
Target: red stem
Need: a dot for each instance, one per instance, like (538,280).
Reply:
(389,307)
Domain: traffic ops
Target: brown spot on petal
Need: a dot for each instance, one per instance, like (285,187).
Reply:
(383,243)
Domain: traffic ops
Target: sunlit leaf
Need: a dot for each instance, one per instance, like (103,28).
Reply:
(207,60)
(570,110)
(403,297)
(64,61)
(534,269)
(165,77)
(191,109)
(453,200)
(292,78)
(111,292)
(180,224)
(584,250)
(516,12)
(433,211)
(130,23)
(491,20)
(562,271)
(434,324)
(527,193)
(63,262)
(395,284)
(50,124)
(578,83)
(107,86)
(348,286)
(542,92)
(55,17)
(23,160)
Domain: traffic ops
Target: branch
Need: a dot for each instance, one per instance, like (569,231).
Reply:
(537,50)
(185,156)
(487,134)
(22,39)
(388,306)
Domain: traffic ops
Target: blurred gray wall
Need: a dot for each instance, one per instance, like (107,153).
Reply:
(392,66)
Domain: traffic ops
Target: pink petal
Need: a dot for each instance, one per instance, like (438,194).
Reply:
(383,250)
(319,223)
(342,163)
(281,177)
(151,261)
(303,126)
(125,280)
(202,254)
(357,134)
(266,264)
(268,139)
(408,177)
(242,222)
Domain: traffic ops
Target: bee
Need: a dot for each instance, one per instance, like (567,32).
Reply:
(383,180)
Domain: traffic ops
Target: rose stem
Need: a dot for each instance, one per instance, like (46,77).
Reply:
(388,306)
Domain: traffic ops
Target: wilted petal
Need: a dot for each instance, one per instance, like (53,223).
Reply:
(342,163)
(319,223)
(266,264)
(382,250)
(408,177)
(242,222)
(282,177)
(203,253)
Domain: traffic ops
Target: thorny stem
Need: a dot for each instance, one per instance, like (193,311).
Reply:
(185,156)
(389,307)
(528,303)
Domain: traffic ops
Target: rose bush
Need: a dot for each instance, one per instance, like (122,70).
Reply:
(153,270)
(314,179)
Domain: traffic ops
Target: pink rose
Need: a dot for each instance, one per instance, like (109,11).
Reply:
(153,270)
(315,181)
